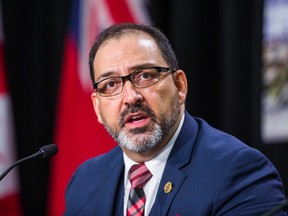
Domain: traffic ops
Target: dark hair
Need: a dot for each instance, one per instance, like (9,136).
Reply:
(118,30)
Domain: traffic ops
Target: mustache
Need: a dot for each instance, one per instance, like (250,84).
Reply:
(135,109)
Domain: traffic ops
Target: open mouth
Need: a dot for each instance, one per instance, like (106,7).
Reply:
(136,119)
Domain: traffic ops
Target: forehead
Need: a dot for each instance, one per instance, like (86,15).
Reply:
(128,43)
(130,35)
(127,51)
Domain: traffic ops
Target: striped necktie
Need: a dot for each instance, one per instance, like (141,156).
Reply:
(138,176)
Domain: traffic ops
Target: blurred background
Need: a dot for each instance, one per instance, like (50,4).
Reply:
(221,45)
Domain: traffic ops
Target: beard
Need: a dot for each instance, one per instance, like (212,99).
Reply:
(145,138)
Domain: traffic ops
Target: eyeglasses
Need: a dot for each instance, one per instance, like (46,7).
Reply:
(141,78)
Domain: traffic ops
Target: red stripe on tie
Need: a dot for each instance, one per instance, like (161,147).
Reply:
(138,176)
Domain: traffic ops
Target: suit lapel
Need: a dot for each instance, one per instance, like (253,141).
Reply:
(164,199)
(110,194)
(179,157)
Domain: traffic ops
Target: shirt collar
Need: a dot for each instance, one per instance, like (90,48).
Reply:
(157,164)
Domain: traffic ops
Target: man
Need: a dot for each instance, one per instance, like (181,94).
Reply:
(190,168)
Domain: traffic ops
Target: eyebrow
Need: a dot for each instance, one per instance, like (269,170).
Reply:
(105,75)
(133,68)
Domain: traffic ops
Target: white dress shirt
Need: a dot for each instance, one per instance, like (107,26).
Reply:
(156,166)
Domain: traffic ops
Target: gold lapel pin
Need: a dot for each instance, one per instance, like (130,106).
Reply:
(168,187)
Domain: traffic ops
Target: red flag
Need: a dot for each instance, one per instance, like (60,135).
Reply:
(78,134)
(9,191)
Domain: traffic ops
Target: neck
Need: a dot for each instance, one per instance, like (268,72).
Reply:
(141,157)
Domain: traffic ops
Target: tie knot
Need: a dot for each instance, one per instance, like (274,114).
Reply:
(139,175)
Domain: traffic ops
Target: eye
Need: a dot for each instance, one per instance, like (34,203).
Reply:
(146,75)
(110,85)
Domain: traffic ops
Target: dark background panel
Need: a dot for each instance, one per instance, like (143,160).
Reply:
(218,44)
(34,35)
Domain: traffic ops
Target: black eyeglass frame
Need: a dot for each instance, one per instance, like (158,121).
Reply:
(128,77)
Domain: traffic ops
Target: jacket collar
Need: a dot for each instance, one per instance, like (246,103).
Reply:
(179,157)
(109,194)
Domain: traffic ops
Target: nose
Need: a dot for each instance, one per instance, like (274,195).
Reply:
(131,94)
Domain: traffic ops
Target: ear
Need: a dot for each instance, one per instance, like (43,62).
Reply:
(181,83)
(96,106)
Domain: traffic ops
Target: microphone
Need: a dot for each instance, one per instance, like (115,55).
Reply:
(44,152)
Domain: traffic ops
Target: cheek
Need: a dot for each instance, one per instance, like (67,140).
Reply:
(160,99)
(110,112)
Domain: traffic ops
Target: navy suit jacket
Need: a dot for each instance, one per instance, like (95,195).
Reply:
(212,173)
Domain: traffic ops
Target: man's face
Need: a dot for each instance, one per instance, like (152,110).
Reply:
(140,120)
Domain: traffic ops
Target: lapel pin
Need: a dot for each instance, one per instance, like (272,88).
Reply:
(168,187)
